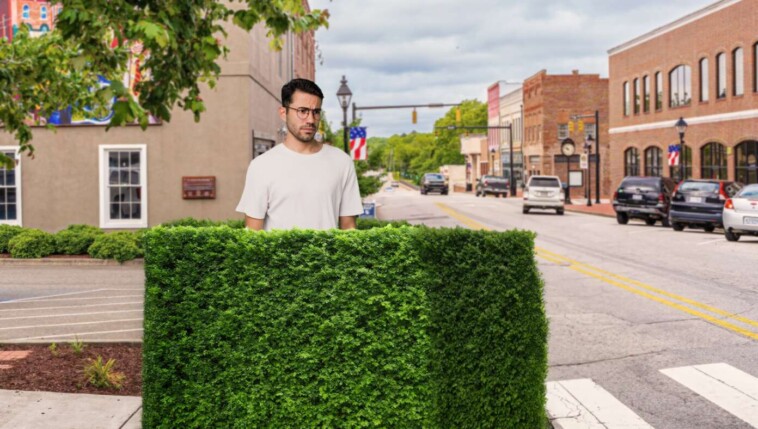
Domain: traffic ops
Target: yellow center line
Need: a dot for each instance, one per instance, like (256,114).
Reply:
(630,285)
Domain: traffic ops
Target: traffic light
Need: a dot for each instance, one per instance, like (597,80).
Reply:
(571,126)
(458,115)
(581,125)
(414,116)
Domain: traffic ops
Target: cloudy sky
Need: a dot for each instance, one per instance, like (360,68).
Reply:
(444,51)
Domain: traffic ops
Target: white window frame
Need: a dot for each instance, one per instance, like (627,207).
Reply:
(19,212)
(105,221)
(563,131)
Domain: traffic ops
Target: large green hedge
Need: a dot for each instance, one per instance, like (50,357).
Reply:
(389,327)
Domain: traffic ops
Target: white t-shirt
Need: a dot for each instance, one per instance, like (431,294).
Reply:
(292,190)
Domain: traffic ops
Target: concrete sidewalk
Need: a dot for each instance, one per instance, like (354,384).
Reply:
(605,208)
(39,410)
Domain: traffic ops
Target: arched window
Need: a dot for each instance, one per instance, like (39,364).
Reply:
(675,171)
(646,93)
(721,75)
(626,99)
(680,86)
(631,162)
(653,161)
(738,72)
(658,91)
(43,12)
(704,81)
(713,161)
(636,96)
(746,162)
(755,67)
(25,12)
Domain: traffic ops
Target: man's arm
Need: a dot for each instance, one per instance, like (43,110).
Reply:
(347,222)
(253,223)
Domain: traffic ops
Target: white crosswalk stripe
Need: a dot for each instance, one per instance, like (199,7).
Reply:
(724,385)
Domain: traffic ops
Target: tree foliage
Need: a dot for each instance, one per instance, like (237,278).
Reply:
(183,38)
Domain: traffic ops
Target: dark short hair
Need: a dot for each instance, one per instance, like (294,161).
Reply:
(303,85)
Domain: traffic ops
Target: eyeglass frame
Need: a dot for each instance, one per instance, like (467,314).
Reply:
(316,113)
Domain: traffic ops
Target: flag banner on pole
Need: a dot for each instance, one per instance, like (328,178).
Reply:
(358,147)
(674,150)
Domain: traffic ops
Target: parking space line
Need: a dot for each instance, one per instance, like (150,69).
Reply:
(69,324)
(720,240)
(78,334)
(4,319)
(74,299)
(49,296)
(71,306)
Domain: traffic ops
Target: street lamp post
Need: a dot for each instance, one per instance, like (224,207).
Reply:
(344,95)
(681,126)
(588,148)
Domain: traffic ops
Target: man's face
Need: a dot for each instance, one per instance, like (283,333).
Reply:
(302,129)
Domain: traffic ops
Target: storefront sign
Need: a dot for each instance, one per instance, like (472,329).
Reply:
(199,188)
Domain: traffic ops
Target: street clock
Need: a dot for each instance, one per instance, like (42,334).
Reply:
(567,148)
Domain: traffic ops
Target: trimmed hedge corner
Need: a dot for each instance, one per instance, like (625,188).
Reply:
(32,243)
(389,327)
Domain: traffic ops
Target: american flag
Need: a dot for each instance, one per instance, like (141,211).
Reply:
(358,149)
(674,154)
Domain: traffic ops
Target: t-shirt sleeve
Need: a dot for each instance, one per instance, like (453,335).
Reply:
(254,201)
(351,204)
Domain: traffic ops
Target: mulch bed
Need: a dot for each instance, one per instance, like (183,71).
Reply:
(64,373)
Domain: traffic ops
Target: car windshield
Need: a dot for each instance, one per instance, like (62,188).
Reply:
(435,177)
(709,187)
(749,191)
(645,185)
(544,182)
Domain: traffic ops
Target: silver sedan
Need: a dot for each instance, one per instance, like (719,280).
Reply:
(741,213)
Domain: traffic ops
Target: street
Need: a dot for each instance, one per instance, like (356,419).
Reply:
(635,311)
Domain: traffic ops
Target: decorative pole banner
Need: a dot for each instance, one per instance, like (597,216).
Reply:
(358,147)
(674,150)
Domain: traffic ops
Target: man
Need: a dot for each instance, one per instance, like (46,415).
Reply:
(301,183)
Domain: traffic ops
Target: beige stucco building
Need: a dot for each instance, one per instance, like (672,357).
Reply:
(128,178)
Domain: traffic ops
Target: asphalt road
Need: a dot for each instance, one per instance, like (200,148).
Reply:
(635,312)
(63,303)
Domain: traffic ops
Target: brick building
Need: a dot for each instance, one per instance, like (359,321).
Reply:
(702,68)
(550,102)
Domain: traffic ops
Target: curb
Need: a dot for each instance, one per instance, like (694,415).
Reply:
(70,262)
(568,209)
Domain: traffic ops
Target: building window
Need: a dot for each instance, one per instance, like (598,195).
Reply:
(123,186)
(636,96)
(43,12)
(25,12)
(721,75)
(704,79)
(675,171)
(658,91)
(589,130)
(738,72)
(646,94)
(755,67)
(680,84)
(653,161)
(713,161)
(563,131)
(626,99)
(10,190)
(631,162)
(746,162)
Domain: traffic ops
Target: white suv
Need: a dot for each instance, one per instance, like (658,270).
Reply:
(543,192)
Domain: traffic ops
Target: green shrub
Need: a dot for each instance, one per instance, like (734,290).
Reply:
(390,327)
(367,223)
(362,223)
(76,239)
(6,233)
(32,243)
(121,246)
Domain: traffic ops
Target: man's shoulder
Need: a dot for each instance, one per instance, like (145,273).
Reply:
(335,153)
(268,156)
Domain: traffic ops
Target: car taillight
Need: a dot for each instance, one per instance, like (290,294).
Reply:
(661,198)
(728,205)
(722,194)
(616,195)
(485,183)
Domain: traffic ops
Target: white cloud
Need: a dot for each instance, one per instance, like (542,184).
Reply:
(444,51)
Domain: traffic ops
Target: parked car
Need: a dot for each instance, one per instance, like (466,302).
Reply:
(700,203)
(646,198)
(543,192)
(495,185)
(433,182)
(740,214)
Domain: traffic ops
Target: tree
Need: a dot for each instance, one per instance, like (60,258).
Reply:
(91,38)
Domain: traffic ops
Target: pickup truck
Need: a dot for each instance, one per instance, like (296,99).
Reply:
(494,185)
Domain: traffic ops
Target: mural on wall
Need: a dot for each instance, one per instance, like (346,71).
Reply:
(39,17)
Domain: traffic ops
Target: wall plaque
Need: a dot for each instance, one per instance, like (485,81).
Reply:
(199,188)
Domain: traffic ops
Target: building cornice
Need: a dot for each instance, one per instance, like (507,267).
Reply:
(681,22)
(697,120)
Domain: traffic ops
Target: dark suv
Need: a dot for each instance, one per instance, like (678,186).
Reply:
(433,182)
(700,203)
(646,198)
(492,185)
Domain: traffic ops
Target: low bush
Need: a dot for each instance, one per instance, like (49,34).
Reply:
(361,223)
(121,246)
(6,233)
(32,243)
(76,239)
(367,223)
(389,327)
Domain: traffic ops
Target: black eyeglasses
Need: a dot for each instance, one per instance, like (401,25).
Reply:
(303,112)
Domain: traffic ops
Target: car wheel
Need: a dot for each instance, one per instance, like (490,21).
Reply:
(525,210)
(444,193)
(650,222)
(666,222)
(622,218)
(559,211)
(484,194)
(678,226)
(709,228)
(731,236)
